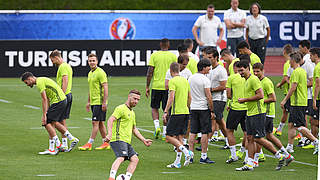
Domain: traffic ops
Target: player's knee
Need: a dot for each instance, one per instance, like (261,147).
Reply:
(134,159)
(120,159)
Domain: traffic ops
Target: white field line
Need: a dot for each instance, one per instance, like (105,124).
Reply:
(31,107)
(216,145)
(36,128)
(45,175)
(5,101)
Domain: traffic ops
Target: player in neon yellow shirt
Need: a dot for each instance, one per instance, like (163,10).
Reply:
(158,65)
(64,80)
(192,64)
(52,96)
(255,122)
(121,126)
(287,50)
(243,48)
(299,100)
(97,100)
(179,101)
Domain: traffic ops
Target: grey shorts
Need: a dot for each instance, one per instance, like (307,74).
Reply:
(123,149)
(68,108)
(256,125)
(218,108)
(269,124)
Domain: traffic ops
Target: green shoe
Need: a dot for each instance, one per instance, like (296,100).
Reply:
(262,158)
(309,146)
(239,154)
(157,133)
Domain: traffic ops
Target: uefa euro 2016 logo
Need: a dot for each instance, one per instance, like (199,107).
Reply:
(122,28)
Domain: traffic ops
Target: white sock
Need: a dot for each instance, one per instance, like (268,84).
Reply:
(113,174)
(68,135)
(215,133)
(64,142)
(51,144)
(256,157)
(199,134)
(227,143)
(90,141)
(57,141)
(315,142)
(156,123)
(242,149)
(184,150)
(284,150)
(261,152)
(247,155)
(203,155)
(128,176)
(221,134)
(280,127)
(185,141)
(233,152)
(277,155)
(164,131)
(178,158)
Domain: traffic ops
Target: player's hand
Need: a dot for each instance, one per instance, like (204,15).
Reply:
(201,43)
(315,105)
(147,92)
(108,138)
(228,108)
(283,102)
(44,120)
(147,142)
(278,85)
(213,116)
(241,100)
(104,107)
(88,107)
(165,118)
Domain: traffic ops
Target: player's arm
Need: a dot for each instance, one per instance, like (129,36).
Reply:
(310,82)
(283,81)
(271,98)
(268,34)
(290,92)
(45,106)
(229,24)
(209,99)
(229,93)
(258,95)
(109,128)
(65,82)
(149,77)
(166,84)
(220,35)
(195,35)
(189,99)
(241,24)
(145,141)
(105,96)
(169,104)
(221,87)
(316,93)
(88,103)
(247,33)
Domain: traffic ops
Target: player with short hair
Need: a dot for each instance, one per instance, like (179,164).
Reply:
(287,50)
(304,47)
(53,110)
(192,64)
(189,43)
(97,101)
(179,102)
(298,99)
(121,126)
(243,48)
(64,80)
(158,65)
(227,56)
(201,109)
(256,116)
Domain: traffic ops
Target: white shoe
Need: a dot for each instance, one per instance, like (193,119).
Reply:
(188,159)
(48,152)
(173,165)
(290,149)
(73,144)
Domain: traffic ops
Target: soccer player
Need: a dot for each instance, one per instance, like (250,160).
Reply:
(287,50)
(256,116)
(227,56)
(269,104)
(179,100)
(183,71)
(237,113)
(189,44)
(243,48)
(97,100)
(158,65)
(298,99)
(64,80)
(192,64)
(54,105)
(201,109)
(304,47)
(218,77)
(121,126)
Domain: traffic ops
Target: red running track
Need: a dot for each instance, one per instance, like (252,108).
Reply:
(273,65)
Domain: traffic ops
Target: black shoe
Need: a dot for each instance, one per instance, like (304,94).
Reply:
(186,146)
(199,148)
(225,147)
(206,161)
(300,144)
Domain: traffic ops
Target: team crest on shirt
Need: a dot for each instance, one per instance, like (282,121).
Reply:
(122,29)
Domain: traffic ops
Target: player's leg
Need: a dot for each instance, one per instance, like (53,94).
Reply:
(164,100)
(134,160)
(114,168)
(205,128)
(103,133)
(63,122)
(155,105)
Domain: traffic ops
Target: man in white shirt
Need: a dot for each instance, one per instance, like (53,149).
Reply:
(234,19)
(189,44)
(209,25)
(304,47)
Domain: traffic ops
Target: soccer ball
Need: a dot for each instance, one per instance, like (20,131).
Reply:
(121,177)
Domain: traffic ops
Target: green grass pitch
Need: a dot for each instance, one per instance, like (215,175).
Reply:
(22,138)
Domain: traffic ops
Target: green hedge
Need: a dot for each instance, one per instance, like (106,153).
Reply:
(153,4)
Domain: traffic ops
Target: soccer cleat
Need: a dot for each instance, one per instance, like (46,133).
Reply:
(310,146)
(48,152)
(246,167)
(111,178)
(163,138)
(290,149)
(173,165)
(316,149)
(274,130)
(63,149)
(297,137)
(278,133)
(281,163)
(300,144)
(206,161)
(262,158)
(86,147)
(199,148)
(255,164)
(221,138)
(239,154)
(157,133)
(231,160)
(73,144)
(214,139)
(105,145)
(288,160)
(188,159)
(225,147)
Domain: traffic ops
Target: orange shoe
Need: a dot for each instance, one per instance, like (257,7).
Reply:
(111,178)
(298,137)
(105,145)
(86,147)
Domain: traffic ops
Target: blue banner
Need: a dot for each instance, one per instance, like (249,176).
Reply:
(285,27)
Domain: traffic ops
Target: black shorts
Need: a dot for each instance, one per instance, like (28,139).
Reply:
(315,113)
(177,125)
(309,110)
(68,108)
(269,124)
(123,149)
(287,105)
(158,96)
(256,125)
(236,117)
(218,108)
(297,116)
(56,111)
(97,113)
(200,121)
